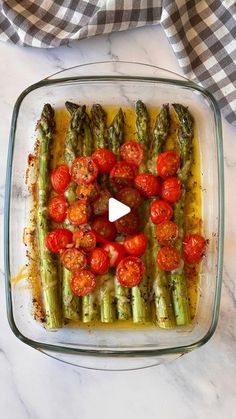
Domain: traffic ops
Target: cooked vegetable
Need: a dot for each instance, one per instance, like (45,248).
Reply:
(168,258)
(130,197)
(58,239)
(79,213)
(84,170)
(132,152)
(160,211)
(194,246)
(60,178)
(83,282)
(99,261)
(115,251)
(84,239)
(136,245)
(147,184)
(167,233)
(171,189)
(48,268)
(122,175)
(130,271)
(74,259)
(104,159)
(167,164)
(57,208)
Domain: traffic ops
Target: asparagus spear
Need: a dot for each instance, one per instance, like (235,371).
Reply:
(139,293)
(163,304)
(73,148)
(115,139)
(178,282)
(48,268)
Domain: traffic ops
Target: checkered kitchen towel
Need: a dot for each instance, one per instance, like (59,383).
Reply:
(202,33)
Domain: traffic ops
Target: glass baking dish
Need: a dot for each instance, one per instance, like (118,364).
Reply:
(112,83)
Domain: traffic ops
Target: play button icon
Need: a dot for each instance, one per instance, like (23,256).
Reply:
(116,209)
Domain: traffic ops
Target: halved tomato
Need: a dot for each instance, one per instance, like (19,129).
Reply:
(99,261)
(168,258)
(130,271)
(85,239)
(129,224)
(160,211)
(194,246)
(73,259)
(84,170)
(88,193)
(60,178)
(130,197)
(136,245)
(167,233)
(171,189)
(104,159)
(122,175)
(132,152)
(104,229)
(147,184)
(100,205)
(58,239)
(57,208)
(79,213)
(115,251)
(168,163)
(83,282)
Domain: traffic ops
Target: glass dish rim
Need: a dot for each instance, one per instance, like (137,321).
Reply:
(217,120)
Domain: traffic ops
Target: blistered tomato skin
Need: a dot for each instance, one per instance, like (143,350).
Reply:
(132,152)
(168,258)
(115,251)
(104,159)
(136,245)
(171,189)
(194,246)
(60,178)
(57,208)
(160,211)
(84,239)
(104,229)
(129,224)
(130,271)
(168,163)
(167,233)
(99,261)
(58,239)
(130,197)
(147,184)
(122,175)
(79,213)
(73,259)
(84,170)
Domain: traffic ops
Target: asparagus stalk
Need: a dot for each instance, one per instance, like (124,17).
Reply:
(139,293)
(178,282)
(48,268)
(163,304)
(73,148)
(115,139)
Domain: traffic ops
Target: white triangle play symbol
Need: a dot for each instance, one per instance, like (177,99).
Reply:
(116,209)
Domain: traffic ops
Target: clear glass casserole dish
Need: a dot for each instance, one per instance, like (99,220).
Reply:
(118,83)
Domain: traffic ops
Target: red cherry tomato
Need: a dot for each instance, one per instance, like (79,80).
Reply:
(136,245)
(100,205)
(167,233)
(60,178)
(132,152)
(122,175)
(168,163)
(85,239)
(79,213)
(88,193)
(129,224)
(104,159)
(194,246)
(104,229)
(73,259)
(130,271)
(57,208)
(115,251)
(84,170)
(168,258)
(171,189)
(147,184)
(83,282)
(99,261)
(130,197)
(58,239)
(160,211)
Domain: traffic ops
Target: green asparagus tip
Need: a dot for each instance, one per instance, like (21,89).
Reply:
(185,119)
(71,107)
(46,123)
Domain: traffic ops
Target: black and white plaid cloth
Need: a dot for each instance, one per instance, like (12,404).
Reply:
(202,33)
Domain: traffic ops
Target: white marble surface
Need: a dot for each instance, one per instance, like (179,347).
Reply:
(198,385)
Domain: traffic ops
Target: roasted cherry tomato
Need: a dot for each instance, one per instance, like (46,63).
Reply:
(57,208)
(132,152)
(60,178)
(147,184)
(104,229)
(130,271)
(194,246)
(115,251)
(167,233)
(83,282)
(130,197)
(84,170)
(171,189)
(85,239)
(136,245)
(73,259)
(168,163)
(100,205)
(99,261)
(122,175)
(168,258)
(105,159)
(160,211)
(129,224)
(79,213)
(58,239)
(88,193)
